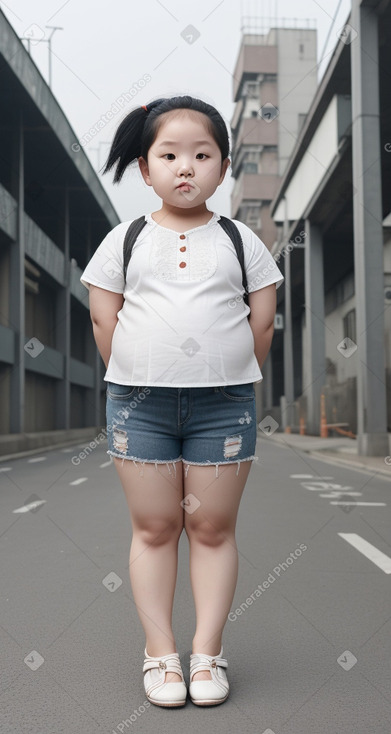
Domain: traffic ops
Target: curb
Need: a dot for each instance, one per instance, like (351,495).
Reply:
(334,458)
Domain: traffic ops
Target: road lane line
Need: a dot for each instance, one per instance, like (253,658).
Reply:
(79,481)
(106,463)
(370,551)
(361,504)
(30,506)
(37,458)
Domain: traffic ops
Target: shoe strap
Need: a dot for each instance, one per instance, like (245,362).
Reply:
(168,663)
(200,661)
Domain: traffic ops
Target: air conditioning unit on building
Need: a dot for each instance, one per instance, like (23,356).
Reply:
(279,321)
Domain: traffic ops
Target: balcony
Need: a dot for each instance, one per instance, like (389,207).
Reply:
(255,131)
(254,187)
(253,60)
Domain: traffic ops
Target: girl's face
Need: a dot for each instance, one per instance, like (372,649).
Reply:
(184,164)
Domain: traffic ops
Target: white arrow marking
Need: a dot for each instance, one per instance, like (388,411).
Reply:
(370,551)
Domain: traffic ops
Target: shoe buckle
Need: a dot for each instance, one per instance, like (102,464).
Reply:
(162,665)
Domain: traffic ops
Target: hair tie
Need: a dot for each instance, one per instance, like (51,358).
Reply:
(144,107)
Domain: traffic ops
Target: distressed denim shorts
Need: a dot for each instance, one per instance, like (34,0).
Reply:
(196,425)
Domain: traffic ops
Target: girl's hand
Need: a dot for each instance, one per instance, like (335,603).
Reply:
(263,304)
(104,307)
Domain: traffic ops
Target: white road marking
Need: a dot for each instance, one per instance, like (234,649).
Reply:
(30,506)
(37,458)
(361,504)
(106,463)
(66,451)
(79,481)
(307,476)
(370,551)
(342,494)
(6,468)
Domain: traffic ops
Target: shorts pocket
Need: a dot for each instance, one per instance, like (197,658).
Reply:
(240,393)
(120,392)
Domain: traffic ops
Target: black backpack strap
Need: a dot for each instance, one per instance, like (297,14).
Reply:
(132,233)
(233,233)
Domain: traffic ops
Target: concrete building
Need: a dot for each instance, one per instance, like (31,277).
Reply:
(274,82)
(53,214)
(333,208)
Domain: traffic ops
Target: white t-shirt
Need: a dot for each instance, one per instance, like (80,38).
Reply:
(183,322)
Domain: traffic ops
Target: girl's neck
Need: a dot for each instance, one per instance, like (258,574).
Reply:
(181,220)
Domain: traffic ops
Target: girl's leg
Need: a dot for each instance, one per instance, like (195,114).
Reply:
(213,551)
(154,494)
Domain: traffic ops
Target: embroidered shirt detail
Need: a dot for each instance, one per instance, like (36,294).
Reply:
(196,261)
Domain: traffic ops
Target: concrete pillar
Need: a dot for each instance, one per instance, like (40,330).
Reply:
(287,407)
(17,294)
(315,325)
(63,329)
(372,435)
(267,371)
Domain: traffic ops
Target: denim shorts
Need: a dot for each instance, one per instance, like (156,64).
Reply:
(196,425)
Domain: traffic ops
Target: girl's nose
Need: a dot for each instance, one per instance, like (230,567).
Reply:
(185,169)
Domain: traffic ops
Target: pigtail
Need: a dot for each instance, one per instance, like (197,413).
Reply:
(126,146)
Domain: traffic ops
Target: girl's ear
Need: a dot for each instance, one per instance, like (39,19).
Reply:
(224,166)
(143,166)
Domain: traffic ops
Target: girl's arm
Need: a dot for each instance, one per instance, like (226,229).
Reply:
(104,306)
(263,304)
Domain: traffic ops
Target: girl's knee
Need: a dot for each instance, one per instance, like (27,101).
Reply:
(158,532)
(211,533)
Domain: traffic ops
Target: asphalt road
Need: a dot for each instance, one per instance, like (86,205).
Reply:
(307,640)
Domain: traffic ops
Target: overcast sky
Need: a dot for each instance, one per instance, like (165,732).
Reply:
(105,49)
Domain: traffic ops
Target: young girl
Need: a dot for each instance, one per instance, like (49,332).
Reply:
(182,357)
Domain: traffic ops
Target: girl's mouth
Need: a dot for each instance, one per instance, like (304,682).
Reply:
(185,186)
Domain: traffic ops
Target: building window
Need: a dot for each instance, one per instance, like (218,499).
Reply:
(349,325)
(252,90)
(249,167)
(253,217)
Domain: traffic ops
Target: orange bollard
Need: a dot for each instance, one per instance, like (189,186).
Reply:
(302,427)
(323,420)
(288,429)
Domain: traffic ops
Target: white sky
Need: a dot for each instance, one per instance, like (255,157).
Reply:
(105,49)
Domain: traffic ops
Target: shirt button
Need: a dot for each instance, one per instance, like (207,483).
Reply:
(183,249)
(182,236)
(182,265)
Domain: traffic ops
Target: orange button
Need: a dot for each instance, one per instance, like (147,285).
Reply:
(183,249)
(182,236)
(182,265)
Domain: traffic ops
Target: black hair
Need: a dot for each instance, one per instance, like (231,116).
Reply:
(138,130)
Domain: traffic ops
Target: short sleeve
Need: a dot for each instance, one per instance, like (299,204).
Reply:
(105,269)
(261,267)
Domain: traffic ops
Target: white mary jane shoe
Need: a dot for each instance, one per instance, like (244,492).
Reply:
(208,692)
(157,691)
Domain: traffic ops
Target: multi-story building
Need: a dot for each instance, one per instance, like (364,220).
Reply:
(274,82)
(54,212)
(334,201)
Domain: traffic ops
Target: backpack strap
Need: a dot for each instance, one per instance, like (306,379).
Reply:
(131,235)
(233,233)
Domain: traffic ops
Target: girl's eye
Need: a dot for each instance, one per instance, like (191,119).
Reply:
(169,156)
(201,154)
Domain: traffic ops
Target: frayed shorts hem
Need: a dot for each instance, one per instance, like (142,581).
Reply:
(137,460)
